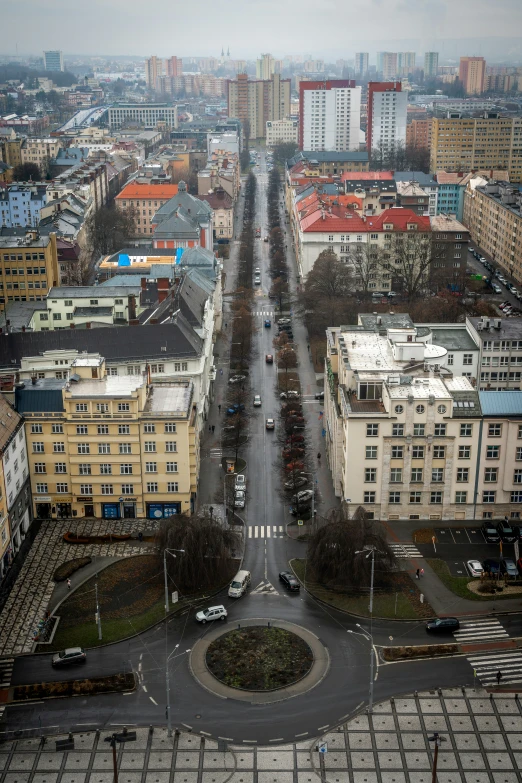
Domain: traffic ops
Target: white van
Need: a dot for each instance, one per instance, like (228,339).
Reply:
(239,584)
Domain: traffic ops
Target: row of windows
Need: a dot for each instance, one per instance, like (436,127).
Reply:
(85,469)
(103,429)
(25,257)
(419,430)
(106,489)
(103,448)
(437,475)
(415,498)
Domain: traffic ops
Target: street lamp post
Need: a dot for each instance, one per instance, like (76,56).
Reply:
(438,741)
(370,551)
(167,679)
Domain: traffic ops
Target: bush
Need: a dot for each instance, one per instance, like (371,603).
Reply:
(66,570)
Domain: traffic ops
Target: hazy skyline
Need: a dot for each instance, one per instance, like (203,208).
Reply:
(330,28)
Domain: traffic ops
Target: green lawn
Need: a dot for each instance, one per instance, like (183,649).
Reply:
(459,584)
(383,604)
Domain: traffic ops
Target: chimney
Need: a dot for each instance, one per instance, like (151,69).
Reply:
(132,307)
(72,326)
(88,325)
(153,321)
(23,328)
(33,379)
(134,322)
(143,283)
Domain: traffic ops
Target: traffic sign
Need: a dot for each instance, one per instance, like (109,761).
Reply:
(175,597)
(300,522)
(322,747)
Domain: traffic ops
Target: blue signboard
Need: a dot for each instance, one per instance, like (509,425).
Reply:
(111,510)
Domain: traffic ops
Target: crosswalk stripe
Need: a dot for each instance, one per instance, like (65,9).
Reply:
(216,452)
(268,531)
(486,667)
(262,531)
(405,550)
(6,671)
(480,631)
(258,531)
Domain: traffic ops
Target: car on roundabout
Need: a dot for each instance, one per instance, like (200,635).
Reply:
(211,614)
(290,581)
(443,625)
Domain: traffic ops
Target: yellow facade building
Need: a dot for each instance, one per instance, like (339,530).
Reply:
(110,446)
(477,143)
(28,267)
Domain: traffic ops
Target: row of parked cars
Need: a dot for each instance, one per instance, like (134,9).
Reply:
(493,567)
(501,531)
(500,278)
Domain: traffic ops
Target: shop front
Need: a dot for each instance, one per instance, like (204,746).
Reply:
(162,510)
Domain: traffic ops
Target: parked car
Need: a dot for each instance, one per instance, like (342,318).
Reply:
(268,323)
(506,532)
(240,482)
(496,288)
(517,529)
(239,499)
(289,395)
(70,656)
(319,395)
(266,238)
(283,321)
(475,567)
(443,625)
(270,424)
(257,401)
(290,581)
(237,408)
(236,378)
(296,482)
(491,566)
(257,271)
(269,359)
(490,533)
(509,567)
(257,280)
(212,613)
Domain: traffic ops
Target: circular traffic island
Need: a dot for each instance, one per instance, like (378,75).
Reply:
(259,658)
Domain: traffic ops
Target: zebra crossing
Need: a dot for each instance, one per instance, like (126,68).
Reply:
(6,671)
(266,531)
(216,453)
(264,588)
(405,551)
(264,314)
(486,667)
(476,631)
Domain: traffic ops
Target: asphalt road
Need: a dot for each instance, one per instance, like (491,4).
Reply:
(480,269)
(344,689)
(457,545)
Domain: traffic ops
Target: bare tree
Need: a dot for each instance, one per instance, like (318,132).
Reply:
(328,279)
(110,229)
(411,263)
(280,291)
(364,258)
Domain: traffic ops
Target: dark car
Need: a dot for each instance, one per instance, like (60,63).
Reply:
(518,531)
(319,395)
(490,533)
(509,567)
(491,566)
(69,657)
(506,532)
(290,581)
(237,408)
(443,625)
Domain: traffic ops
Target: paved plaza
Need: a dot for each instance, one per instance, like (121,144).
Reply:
(482,743)
(30,595)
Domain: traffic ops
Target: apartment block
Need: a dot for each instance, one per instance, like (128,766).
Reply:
(418,134)
(493,213)
(329,115)
(144,200)
(465,144)
(21,204)
(110,447)
(500,352)
(405,63)
(450,252)
(472,73)
(53,60)
(282,132)
(387,112)
(145,114)
(431,65)
(28,267)
(387,64)
(154,68)
(41,152)
(362,61)
(265,67)
(258,101)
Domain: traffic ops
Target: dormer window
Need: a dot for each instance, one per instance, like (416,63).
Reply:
(412,226)
(388,227)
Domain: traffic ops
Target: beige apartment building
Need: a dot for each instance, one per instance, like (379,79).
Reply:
(40,152)
(108,446)
(471,144)
(258,101)
(472,72)
(28,267)
(493,214)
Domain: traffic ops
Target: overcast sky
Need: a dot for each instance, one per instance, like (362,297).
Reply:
(322,28)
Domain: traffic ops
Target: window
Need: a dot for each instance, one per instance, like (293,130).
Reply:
(125,468)
(57,429)
(415,497)
(441,409)
(492,452)
(105,469)
(494,430)
(157,368)
(461,497)
(370,475)
(436,497)
(39,467)
(396,475)
(491,475)
(150,428)
(488,496)
(397,452)
(171,445)
(369,497)
(466,430)
(62,488)
(82,429)
(36,429)
(42,489)
(371,452)
(517,476)
(38,447)
(104,448)
(372,430)
(170,426)
(172,467)
(516,497)
(467,359)
(124,429)
(152,486)
(60,467)
(417,452)
(519,454)
(439,452)
(103,429)
(124,406)
(440,429)
(84,469)
(420,408)
(107,489)
(418,430)
(151,467)
(112,371)
(464,452)
(172,486)
(437,474)
(397,430)
(150,445)
(85,489)
(450,359)
(84,448)
(59,447)
(395,498)
(417,474)
(519,431)
(125,448)
(81,407)
(399,409)
(102,407)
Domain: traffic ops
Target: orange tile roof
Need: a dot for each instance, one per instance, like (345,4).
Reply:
(135,190)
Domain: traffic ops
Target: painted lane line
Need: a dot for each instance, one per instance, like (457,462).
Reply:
(322,728)
(153,701)
(228,739)
(144,688)
(303,734)
(250,742)
(277,739)
(187,726)
(205,733)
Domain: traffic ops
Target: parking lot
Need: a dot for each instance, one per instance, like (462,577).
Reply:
(458,545)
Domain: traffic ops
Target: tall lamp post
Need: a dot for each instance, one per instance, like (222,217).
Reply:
(438,741)
(369,551)
(167,680)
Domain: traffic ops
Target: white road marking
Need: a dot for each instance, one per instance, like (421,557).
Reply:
(153,701)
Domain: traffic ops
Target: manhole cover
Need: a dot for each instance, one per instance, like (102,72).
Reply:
(198,716)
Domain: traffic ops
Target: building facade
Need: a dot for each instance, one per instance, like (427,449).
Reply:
(465,144)
(53,60)
(143,200)
(41,152)
(154,68)
(362,63)
(258,101)
(431,65)
(28,267)
(472,73)
(387,111)
(21,204)
(282,132)
(418,134)
(265,67)
(329,115)
(450,252)
(145,114)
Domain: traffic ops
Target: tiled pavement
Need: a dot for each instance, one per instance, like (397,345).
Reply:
(31,593)
(482,744)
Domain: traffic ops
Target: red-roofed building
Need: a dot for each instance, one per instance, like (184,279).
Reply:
(145,199)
